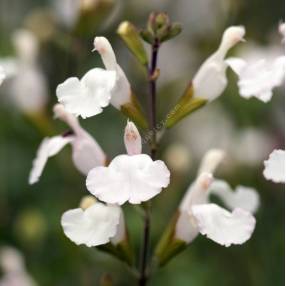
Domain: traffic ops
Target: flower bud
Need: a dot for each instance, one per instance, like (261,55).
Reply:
(86,202)
(132,139)
(128,32)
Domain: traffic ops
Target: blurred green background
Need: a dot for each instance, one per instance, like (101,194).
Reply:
(248,129)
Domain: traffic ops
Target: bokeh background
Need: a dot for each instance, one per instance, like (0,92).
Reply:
(247,129)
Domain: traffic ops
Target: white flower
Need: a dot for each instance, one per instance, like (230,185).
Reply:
(2,75)
(28,89)
(88,96)
(95,225)
(132,139)
(86,153)
(258,78)
(121,93)
(27,86)
(134,179)
(198,215)
(13,267)
(275,167)
(210,80)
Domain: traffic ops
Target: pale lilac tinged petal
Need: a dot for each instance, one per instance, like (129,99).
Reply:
(223,227)
(274,167)
(128,178)
(48,148)
(94,226)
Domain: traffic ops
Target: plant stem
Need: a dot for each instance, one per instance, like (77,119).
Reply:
(152,98)
(143,278)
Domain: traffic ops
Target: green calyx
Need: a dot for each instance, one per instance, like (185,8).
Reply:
(185,106)
(133,111)
(122,251)
(169,246)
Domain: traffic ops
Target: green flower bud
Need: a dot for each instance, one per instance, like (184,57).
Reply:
(130,35)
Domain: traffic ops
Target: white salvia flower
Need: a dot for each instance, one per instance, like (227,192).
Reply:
(132,139)
(134,179)
(86,153)
(28,86)
(93,226)
(258,78)
(275,167)
(88,96)
(197,215)
(121,93)
(2,75)
(13,267)
(210,81)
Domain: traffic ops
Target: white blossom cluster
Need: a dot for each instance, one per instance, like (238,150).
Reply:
(135,177)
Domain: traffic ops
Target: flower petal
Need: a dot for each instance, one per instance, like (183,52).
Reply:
(275,167)
(258,78)
(186,230)
(223,227)
(211,160)
(48,148)
(88,96)
(128,178)
(86,153)
(93,226)
(242,197)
